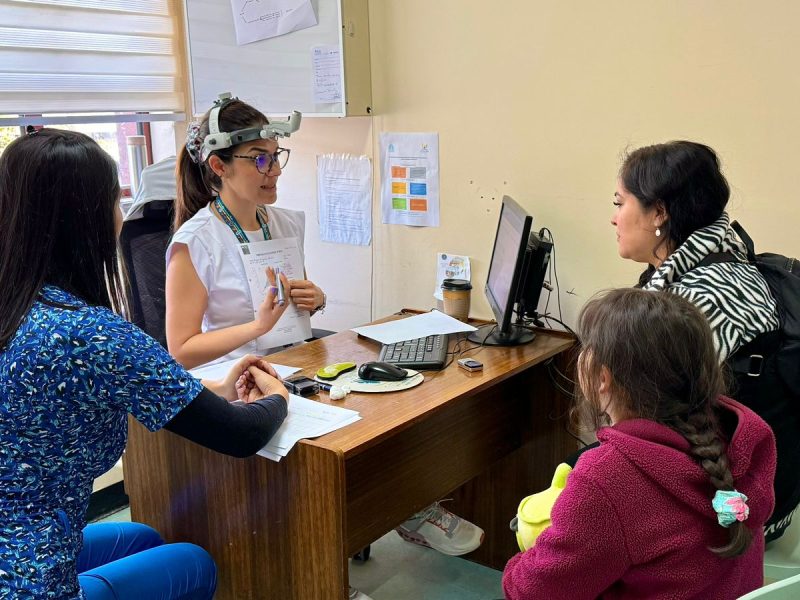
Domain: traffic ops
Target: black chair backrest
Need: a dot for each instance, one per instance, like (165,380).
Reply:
(144,244)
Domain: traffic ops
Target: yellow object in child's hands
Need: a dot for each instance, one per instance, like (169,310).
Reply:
(533,514)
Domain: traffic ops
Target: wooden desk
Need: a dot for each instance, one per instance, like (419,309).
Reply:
(287,529)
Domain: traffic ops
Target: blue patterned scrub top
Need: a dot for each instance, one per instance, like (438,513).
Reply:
(68,380)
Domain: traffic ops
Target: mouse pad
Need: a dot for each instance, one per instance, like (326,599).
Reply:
(357,384)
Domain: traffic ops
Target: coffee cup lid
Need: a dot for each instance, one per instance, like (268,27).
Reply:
(456,284)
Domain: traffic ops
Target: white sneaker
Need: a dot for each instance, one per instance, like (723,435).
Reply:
(356,595)
(438,528)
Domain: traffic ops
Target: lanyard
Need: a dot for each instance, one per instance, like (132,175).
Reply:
(237,230)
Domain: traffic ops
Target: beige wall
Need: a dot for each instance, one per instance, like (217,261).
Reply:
(343,271)
(538,100)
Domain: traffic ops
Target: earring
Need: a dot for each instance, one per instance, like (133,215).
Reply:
(658,232)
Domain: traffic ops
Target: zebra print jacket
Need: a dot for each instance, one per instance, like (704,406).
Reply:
(733,295)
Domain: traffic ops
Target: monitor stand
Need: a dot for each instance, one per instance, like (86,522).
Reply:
(490,335)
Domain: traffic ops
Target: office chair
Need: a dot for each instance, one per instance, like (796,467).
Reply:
(319,333)
(788,589)
(144,244)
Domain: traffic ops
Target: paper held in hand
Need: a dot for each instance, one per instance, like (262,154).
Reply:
(294,325)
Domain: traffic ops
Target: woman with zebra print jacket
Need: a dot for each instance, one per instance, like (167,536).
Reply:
(670,215)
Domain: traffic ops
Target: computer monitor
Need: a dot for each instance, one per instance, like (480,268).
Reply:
(516,274)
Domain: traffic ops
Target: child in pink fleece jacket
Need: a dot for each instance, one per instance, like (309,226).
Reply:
(673,502)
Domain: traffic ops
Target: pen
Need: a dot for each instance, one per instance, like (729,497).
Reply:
(281,297)
(324,386)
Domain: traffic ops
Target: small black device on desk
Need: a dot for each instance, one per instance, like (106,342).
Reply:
(421,353)
(301,385)
(470,364)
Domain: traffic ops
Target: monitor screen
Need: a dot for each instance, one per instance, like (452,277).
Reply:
(505,268)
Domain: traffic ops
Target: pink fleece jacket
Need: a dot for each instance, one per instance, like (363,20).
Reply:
(635,520)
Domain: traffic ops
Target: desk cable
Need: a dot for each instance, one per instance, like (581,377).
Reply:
(452,356)
(552,275)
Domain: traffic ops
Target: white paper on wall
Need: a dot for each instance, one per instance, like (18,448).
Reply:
(344,192)
(256,20)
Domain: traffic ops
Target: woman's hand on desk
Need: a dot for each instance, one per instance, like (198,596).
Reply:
(256,383)
(228,387)
(306,295)
(271,309)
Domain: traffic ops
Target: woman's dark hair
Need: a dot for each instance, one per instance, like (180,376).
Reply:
(197,183)
(58,197)
(660,353)
(682,177)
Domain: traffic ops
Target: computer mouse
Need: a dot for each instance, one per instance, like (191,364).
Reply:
(381,371)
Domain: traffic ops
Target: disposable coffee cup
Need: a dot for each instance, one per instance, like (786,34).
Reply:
(456,293)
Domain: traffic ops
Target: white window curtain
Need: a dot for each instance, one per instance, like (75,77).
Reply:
(80,56)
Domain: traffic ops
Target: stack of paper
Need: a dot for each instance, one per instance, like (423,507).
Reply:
(400,330)
(216,371)
(307,419)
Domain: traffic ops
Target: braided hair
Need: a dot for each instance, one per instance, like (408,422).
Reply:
(660,353)
(701,431)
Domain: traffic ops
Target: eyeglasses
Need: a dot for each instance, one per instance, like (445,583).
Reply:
(264,162)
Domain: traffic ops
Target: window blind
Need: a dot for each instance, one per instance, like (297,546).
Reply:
(80,56)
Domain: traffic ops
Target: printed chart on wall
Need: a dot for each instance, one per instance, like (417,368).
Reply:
(410,179)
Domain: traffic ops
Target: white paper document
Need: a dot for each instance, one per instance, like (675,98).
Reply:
(284,253)
(429,323)
(410,178)
(327,68)
(344,191)
(450,266)
(216,371)
(256,20)
(307,419)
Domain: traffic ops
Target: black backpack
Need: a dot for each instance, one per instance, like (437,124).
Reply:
(782,274)
(767,374)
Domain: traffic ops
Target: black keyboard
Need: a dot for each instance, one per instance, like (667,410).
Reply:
(422,353)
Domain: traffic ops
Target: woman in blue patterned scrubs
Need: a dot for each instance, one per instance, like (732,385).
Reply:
(72,369)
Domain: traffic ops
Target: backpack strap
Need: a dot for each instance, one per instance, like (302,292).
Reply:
(717,257)
(751,358)
(746,239)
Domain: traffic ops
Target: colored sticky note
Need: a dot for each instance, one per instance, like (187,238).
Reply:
(399,204)
(399,187)
(399,172)
(419,189)
(420,204)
